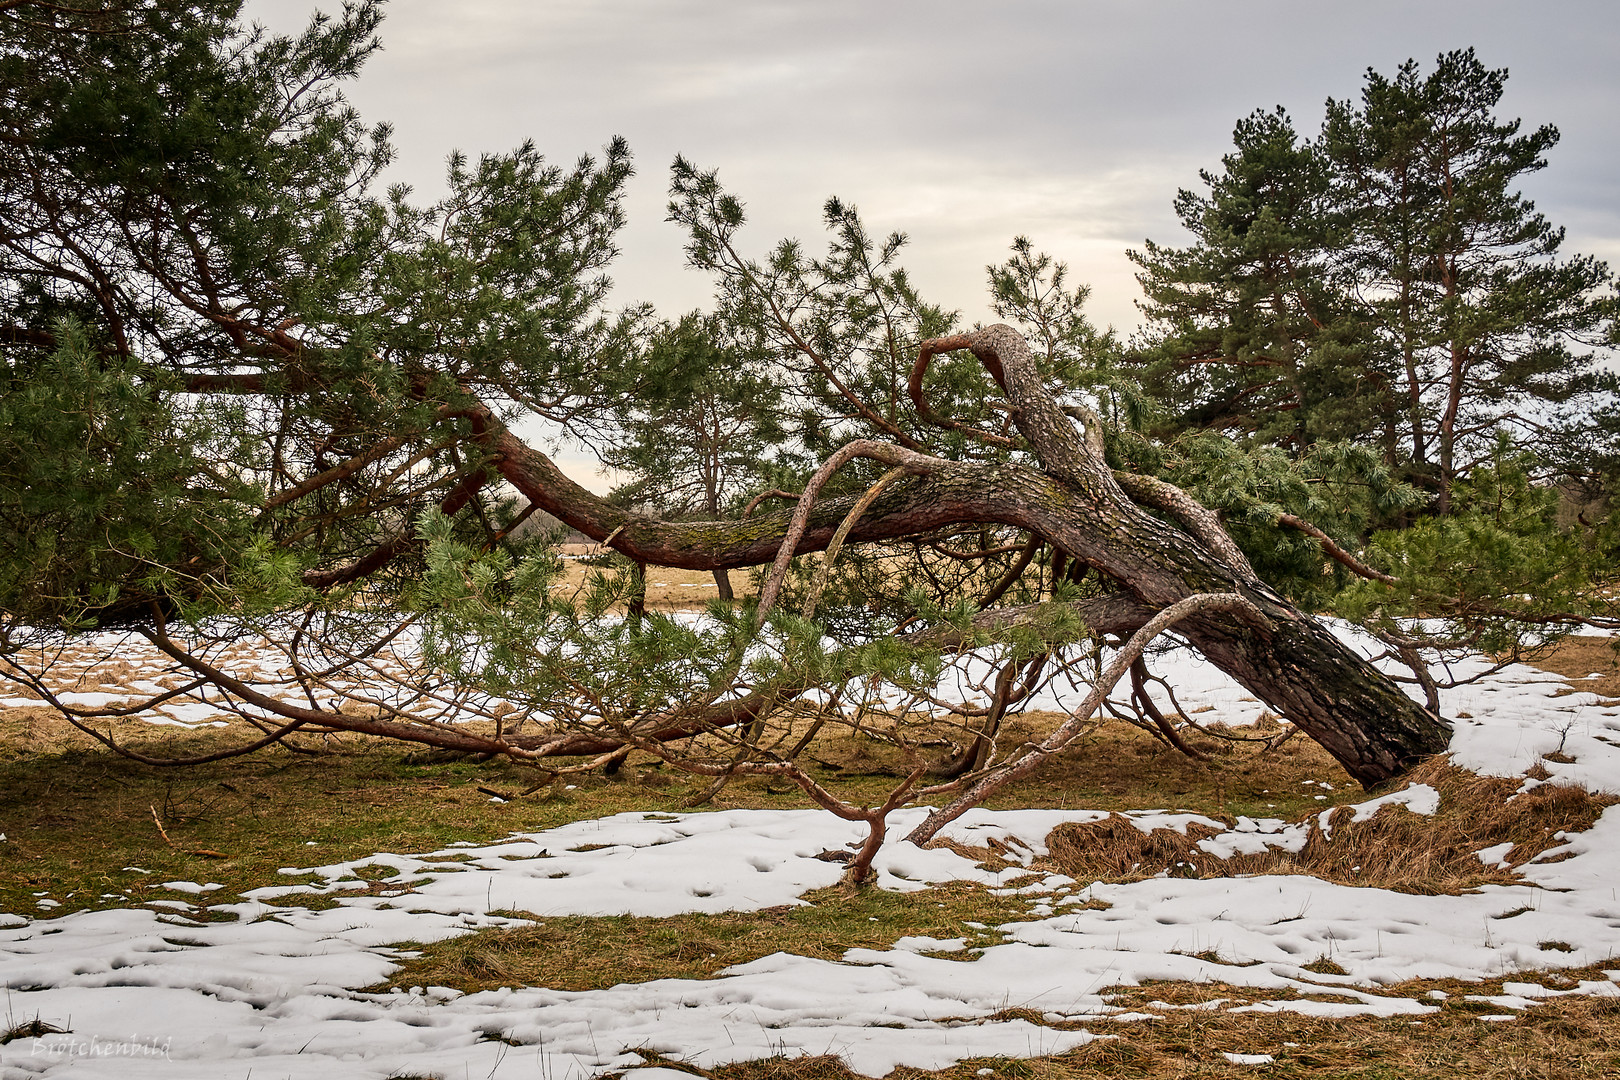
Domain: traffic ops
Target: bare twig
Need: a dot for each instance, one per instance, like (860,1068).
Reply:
(1067,731)
(159,823)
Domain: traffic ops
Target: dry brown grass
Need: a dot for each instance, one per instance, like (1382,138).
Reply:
(668,589)
(36,729)
(1562,1039)
(1577,657)
(1393,849)
(1574,1038)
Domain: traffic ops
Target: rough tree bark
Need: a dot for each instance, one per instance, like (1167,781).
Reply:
(1070,498)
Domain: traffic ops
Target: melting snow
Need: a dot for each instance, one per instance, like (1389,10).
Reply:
(278,991)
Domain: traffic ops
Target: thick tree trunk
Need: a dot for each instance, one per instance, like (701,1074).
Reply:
(1283,656)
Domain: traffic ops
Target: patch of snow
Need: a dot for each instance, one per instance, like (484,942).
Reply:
(281,989)
(1418,798)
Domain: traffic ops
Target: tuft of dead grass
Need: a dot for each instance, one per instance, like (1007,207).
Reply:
(29,1029)
(36,729)
(1393,849)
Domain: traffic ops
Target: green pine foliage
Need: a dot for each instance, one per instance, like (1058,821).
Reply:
(842,329)
(1343,489)
(115,495)
(1385,283)
(1374,331)
(1495,574)
(1251,332)
(1030,291)
(711,431)
(204,201)
(1492,329)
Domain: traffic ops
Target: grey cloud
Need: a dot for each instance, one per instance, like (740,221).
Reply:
(962,123)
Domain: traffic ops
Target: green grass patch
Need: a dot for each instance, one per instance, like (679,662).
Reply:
(594,952)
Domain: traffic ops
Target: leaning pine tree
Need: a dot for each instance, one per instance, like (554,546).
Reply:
(318,387)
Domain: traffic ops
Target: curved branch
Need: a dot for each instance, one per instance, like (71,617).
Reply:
(774,493)
(975,556)
(1189,513)
(76,717)
(908,460)
(1140,676)
(861,506)
(443,738)
(914,386)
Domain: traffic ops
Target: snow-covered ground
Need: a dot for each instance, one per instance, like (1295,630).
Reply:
(152,992)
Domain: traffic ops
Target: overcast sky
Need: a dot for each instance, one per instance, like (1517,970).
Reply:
(962,124)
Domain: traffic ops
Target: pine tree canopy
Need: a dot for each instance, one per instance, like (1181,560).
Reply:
(247,389)
(1384,283)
